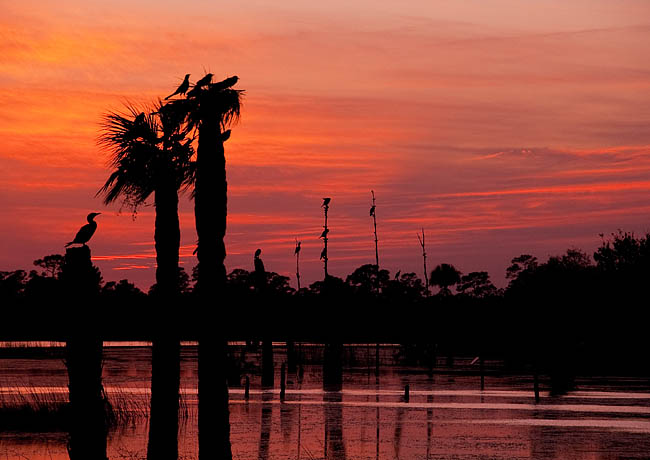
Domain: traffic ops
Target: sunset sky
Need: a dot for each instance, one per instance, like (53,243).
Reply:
(501,127)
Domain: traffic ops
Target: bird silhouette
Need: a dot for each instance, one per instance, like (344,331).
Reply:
(372,210)
(182,88)
(326,202)
(323,253)
(259,265)
(224,84)
(203,81)
(86,232)
(397,274)
(139,119)
(200,84)
(325,232)
(297,248)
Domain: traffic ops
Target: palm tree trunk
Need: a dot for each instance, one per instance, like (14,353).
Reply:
(210,211)
(165,356)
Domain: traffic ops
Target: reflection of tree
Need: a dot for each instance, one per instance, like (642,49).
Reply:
(334,444)
(266,422)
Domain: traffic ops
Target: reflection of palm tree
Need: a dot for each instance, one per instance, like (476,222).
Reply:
(209,109)
(334,443)
(148,157)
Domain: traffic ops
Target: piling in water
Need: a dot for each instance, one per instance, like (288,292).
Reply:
(84,348)
(407,390)
(283,381)
(247,389)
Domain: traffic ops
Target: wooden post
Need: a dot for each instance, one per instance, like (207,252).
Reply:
(247,388)
(482,370)
(535,382)
(283,381)
(373,213)
(297,253)
(325,258)
(424,258)
(377,359)
(84,348)
(407,390)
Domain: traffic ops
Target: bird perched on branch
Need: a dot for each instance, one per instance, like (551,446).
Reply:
(297,248)
(397,274)
(326,202)
(325,232)
(182,88)
(372,210)
(323,253)
(86,232)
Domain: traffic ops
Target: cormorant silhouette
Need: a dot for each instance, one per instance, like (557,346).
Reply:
(259,266)
(86,232)
(372,210)
(323,253)
(297,248)
(397,274)
(326,202)
(325,232)
(182,88)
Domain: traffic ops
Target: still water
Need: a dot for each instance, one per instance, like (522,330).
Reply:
(446,416)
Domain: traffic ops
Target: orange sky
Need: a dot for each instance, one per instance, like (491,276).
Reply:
(500,127)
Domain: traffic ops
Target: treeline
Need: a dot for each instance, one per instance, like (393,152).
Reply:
(572,294)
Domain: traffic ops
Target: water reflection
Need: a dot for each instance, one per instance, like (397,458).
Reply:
(368,419)
(266,421)
(333,414)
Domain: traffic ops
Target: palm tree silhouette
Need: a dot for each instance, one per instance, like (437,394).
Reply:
(209,110)
(150,155)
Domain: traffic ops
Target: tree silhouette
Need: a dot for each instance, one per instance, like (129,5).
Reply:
(443,276)
(209,109)
(52,264)
(477,284)
(367,280)
(150,155)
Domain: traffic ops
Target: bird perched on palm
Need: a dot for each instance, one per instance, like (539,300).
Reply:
(205,81)
(297,250)
(325,232)
(182,88)
(86,232)
(372,210)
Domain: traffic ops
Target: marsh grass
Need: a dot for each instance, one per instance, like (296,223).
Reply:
(29,409)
